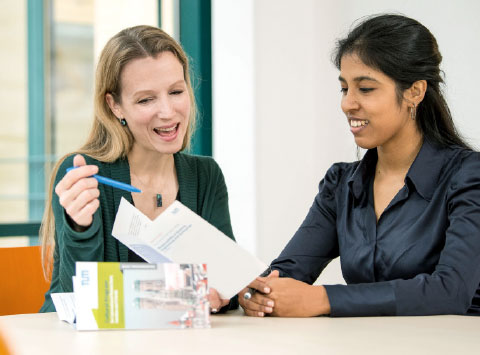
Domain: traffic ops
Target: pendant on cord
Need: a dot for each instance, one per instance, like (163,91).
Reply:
(159,200)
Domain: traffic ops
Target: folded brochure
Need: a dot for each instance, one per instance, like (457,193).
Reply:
(181,236)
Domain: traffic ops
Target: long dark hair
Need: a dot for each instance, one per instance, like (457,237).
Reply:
(406,51)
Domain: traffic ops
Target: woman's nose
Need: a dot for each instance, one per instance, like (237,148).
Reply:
(349,102)
(165,108)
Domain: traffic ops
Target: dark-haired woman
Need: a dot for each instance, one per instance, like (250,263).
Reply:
(405,220)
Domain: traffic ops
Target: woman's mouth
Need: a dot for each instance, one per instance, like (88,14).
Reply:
(357,125)
(167,133)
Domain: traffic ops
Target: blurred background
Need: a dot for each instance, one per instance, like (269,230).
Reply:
(268,95)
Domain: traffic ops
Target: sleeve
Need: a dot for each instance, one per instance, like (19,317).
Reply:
(452,285)
(220,215)
(315,243)
(70,245)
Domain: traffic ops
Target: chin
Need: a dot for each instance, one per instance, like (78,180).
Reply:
(172,148)
(365,145)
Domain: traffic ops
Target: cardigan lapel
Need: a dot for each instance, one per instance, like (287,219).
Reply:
(187,181)
(121,172)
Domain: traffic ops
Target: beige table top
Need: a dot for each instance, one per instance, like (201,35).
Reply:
(237,334)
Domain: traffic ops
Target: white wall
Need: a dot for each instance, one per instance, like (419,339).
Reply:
(277,119)
(112,16)
(234,111)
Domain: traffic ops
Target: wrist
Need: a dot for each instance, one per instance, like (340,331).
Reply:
(320,302)
(74,225)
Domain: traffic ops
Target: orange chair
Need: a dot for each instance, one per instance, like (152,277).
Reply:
(22,283)
(4,348)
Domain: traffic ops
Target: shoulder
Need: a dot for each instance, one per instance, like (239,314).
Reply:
(340,172)
(466,167)
(469,158)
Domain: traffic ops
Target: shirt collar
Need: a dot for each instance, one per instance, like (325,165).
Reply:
(425,170)
(423,173)
(358,182)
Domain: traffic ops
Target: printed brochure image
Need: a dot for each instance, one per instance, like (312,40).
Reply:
(141,296)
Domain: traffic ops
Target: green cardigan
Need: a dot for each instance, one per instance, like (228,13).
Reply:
(201,188)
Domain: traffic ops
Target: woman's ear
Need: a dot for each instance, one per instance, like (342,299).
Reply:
(416,92)
(113,105)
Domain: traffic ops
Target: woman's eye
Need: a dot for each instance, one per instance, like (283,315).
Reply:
(366,90)
(176,92)
(144,101)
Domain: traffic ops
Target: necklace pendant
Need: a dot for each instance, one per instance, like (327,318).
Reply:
(159,200)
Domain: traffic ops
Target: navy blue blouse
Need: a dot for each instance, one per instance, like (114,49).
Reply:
(423,255)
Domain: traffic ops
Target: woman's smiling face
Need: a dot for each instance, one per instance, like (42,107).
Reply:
(370,102)
(155,102)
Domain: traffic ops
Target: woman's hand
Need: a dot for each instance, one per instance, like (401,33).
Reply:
(215,301)
(294,298)
(78,193)
(260,303)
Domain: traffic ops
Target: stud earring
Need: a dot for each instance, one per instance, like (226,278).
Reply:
(413,112)
(123,121)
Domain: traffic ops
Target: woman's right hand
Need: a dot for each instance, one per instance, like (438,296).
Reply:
(259,304)
(78,193)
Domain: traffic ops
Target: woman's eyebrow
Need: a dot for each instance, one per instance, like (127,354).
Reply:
(359,78)
(365,77)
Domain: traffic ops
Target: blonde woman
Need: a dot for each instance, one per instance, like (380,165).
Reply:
(144,116)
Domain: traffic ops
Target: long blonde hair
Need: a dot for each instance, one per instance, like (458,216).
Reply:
(108,139)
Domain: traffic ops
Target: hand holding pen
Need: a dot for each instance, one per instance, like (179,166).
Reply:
(78,192)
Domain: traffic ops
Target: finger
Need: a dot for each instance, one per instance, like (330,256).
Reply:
(273,274)
(258,304)
(259,285)
(79,160)
(84,217)
(73,176)
(264,302)
(224,302)
(251,313)
(258,298)
(214,299)
(84,197)
(68,196)
(82,211)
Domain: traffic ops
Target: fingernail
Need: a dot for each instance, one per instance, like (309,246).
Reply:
(270,303)
(266,290)
(261,314)
(268,309)
(214,310)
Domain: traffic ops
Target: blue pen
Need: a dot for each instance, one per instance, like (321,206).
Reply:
(111,182)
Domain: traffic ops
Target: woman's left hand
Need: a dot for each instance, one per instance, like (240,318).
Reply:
(294,298)
(215,301)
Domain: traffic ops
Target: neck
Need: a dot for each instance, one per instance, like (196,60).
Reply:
(399,156)
(150,165)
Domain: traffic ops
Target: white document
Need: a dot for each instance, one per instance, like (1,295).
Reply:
(65,306)
(181,236)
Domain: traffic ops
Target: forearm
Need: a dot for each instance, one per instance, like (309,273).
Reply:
(443,292)
(76,246)
(373,299)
